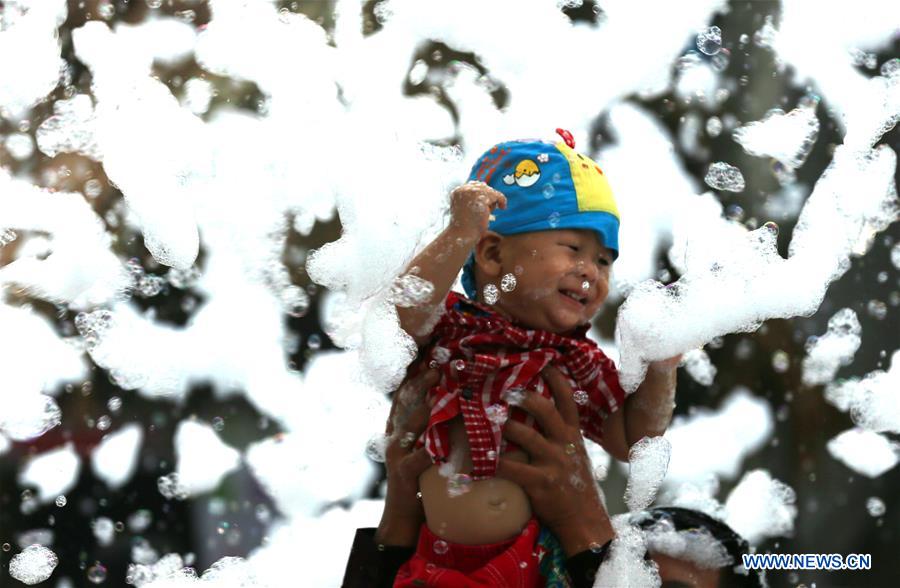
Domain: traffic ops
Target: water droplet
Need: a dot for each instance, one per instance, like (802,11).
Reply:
(581,397)
(710,41)
(508,283)
(441,547)
(96,574)
(61,501)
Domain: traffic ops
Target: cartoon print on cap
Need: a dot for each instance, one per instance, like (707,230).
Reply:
(526,175)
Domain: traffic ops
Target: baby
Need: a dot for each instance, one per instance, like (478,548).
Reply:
(535,231)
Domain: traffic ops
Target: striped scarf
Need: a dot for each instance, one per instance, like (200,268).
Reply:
(484,360)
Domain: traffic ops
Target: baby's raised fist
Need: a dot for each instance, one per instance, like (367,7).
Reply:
(471,205)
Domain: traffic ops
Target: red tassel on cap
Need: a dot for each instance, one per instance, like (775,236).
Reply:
(567,137)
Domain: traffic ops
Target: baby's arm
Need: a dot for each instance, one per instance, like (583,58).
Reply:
(646,413)
(439,263)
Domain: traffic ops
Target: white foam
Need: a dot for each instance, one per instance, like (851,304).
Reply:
(114,460)
(136,122)
(740,427)
(203,459)
(29,28)
(697,363)
(648,460)
(624,564)
(33,565)
(761,507)
(873,401)
(697,546)
(53,472)
(865,452)
(787,138)
(736,282)
(834,349)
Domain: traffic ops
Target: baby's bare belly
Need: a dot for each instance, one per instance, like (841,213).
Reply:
(492,510)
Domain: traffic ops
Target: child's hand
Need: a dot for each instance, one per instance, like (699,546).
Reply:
(470,208)
(666,365)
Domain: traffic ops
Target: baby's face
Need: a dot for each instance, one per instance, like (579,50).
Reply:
(562,278)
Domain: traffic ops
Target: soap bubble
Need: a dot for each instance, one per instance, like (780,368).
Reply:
(713,126)
(96,574)
(553,219)
(722,176)
(61,501)
(781,361)
(410,290)
(875,506)
(7,236)
(93,188)
(895,255)
(491,294)
(709,41)
(376,447)
(496,413)
(581,397)
(514,396)
(458,484)
(876,309)
(441,547)
(508,283)
(171,487)
(19,146)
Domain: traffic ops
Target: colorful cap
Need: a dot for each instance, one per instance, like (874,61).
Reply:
(547,186)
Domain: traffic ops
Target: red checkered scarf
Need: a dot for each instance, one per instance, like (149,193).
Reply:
(481,356)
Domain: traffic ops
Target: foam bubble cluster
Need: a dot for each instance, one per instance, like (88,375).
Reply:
(835,348)
(787,138)
(873,401)
(33,565)
(865,452)
(648,460)
(761,507)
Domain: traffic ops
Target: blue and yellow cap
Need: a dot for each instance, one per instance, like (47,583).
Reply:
(547,186)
